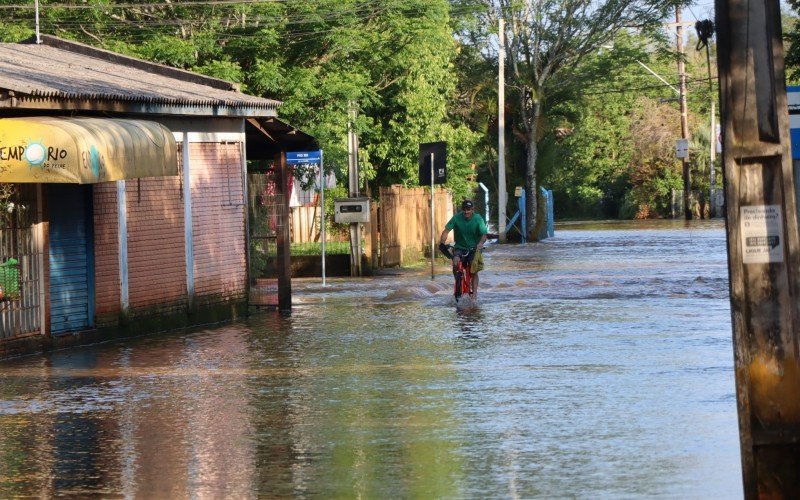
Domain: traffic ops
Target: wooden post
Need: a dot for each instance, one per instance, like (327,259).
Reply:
(687,183)
(371,228)
(284,263)
(762,244)
(373,234)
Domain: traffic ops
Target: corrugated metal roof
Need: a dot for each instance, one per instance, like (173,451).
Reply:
(64,70)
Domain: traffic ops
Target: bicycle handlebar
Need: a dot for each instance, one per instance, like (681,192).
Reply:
(445,249)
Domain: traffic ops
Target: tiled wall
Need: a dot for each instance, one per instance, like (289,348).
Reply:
(218,223)
(156,237)
(156,255)
(106,248)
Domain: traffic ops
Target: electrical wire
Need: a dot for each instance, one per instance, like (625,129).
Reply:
(646,87)
(124,30)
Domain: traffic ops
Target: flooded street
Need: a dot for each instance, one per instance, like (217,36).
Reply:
(596,364)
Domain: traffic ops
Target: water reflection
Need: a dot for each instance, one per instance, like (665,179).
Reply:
(596,364)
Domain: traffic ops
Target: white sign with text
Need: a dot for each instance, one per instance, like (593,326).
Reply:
(762,234)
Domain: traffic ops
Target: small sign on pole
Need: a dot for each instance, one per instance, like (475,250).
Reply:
(682,148)
(435,152)
(432,170)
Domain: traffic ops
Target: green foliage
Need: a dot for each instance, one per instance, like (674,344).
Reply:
(332,228)
(395,72)
(611,151)
(791,37)
(385,67)
(169,50)
(15,33)
(593,159)
(226,70)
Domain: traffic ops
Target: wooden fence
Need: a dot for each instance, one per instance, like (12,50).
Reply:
(405,221)
(305,224)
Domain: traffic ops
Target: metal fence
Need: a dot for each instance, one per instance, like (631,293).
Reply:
(20,268)
(266,215)
(700,203)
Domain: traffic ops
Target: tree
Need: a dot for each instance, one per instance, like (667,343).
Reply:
(791,29)
(546,40)
(613,150)
(391,61)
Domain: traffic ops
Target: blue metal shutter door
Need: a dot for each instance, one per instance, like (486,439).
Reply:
(71,265)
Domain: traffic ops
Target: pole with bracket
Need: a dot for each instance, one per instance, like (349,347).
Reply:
(433,230)
(763,244)
(687,183)
(322,212)
(501,134)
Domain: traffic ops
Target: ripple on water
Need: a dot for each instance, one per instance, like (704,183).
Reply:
(596,364)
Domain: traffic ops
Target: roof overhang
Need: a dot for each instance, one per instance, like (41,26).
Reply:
(268,136)
(84,150)
(110,104)
(63,75)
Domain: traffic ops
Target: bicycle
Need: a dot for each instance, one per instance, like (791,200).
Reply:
(463,273)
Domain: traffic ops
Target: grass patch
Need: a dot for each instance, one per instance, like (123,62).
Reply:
(315,248)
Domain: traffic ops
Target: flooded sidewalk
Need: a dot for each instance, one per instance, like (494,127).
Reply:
(596,364)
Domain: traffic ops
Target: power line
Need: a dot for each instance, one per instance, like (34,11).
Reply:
(132,5)
(363,13)
(647,87)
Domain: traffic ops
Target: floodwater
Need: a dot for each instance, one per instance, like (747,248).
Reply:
(596,364)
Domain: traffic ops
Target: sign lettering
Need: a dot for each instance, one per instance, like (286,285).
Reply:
(761,228)
(303,157)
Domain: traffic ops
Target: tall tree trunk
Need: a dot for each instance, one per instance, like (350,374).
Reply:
(531,188)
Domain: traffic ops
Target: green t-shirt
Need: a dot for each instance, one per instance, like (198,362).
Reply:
(467,232)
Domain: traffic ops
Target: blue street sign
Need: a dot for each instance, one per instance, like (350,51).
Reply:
(303,157)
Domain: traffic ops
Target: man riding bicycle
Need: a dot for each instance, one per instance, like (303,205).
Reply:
(470,235)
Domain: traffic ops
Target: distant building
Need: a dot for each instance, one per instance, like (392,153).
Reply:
(125,204)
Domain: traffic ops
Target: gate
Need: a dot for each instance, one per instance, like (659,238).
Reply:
(71,264)
(390,247)
(20,306)
(266,215)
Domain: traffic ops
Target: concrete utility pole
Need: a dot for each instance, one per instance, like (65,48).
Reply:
(501,132)
(705,32)
(763,244)
(687,185)
(38,34)
(352,170)
(712,161)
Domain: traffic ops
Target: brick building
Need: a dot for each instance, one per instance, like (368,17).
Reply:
(129,207)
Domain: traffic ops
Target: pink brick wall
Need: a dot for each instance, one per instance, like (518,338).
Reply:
(218,228)
(106,248)
(156,255)
(156,237)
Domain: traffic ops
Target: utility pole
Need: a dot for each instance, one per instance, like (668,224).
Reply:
(705,33)
(38,34)
(352,169)
(501,132)
(763,244)
(712,161)
(687,185)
